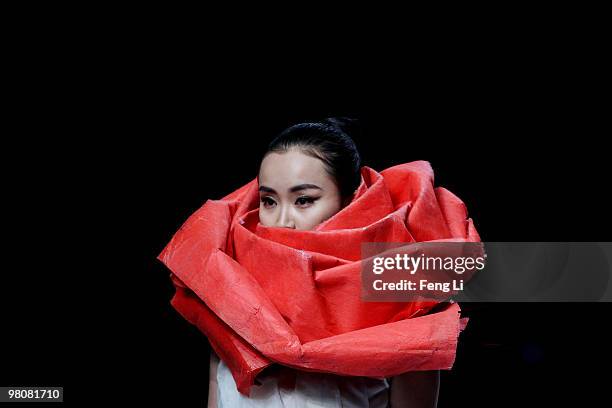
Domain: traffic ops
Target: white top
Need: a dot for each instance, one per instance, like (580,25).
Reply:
(311,390)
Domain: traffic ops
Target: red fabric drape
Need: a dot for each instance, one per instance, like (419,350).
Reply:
(263,295)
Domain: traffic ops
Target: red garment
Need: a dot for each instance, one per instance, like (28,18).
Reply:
(263,294)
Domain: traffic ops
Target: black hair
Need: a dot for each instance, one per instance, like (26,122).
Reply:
(329,141)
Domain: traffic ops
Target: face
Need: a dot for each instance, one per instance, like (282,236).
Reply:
(295,191)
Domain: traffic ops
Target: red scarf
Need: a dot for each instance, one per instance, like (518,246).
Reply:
(265,295)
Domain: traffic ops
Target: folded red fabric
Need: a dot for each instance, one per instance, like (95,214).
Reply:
(266,295)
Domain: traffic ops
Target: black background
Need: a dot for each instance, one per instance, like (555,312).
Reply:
(111,161)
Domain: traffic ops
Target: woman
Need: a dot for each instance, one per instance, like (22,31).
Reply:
(309,173)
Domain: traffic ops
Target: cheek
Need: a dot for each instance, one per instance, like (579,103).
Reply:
(264,217)
(330,207)
(315,216)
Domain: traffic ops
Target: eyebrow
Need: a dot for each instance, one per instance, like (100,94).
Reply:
(292,189)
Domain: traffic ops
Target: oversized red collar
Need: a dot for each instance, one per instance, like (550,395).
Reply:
(263,295)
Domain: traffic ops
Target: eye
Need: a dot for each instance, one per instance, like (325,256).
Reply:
(305,201)
(267,202)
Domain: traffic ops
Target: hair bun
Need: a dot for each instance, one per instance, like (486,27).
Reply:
(350,126)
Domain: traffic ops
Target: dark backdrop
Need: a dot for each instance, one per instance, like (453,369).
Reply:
(120,165)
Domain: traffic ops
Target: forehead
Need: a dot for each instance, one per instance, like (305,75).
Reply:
(293,167)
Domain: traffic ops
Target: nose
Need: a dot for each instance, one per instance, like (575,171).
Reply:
(285,219)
